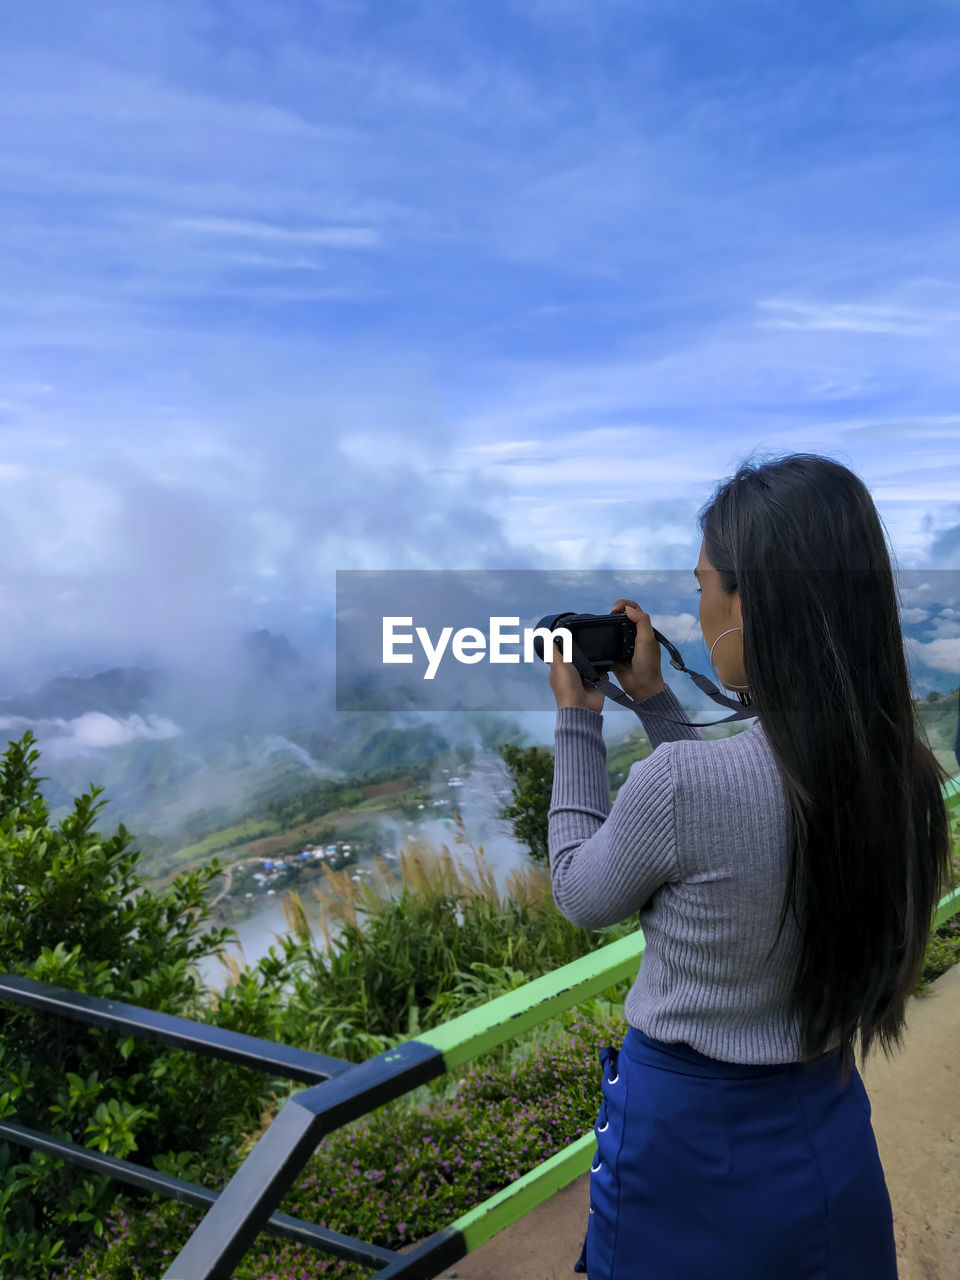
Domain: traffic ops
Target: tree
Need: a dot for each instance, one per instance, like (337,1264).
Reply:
(531,771)
(933,696)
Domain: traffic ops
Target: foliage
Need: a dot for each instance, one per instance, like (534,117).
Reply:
(531,771)
(943,952)
(438,943)
(943,948)
(415,951)
(400,1173)
(70,916)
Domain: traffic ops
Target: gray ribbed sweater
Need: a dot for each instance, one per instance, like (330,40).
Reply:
(696,842)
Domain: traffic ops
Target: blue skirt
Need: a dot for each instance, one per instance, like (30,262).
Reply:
(734,1171)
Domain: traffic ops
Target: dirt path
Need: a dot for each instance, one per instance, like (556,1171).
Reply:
(228,879)
(163,882)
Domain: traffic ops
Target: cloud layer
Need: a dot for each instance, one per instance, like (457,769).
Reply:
(291,288)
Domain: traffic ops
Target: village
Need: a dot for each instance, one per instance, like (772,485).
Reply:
(335,855)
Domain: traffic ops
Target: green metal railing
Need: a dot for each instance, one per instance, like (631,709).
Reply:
(340,1092)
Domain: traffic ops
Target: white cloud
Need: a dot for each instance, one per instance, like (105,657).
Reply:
(493,447)
(856,317)
(93,731)
(328,237)
(945,629)
(563,239)
(942,654)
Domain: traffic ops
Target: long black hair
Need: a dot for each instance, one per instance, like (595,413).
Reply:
(823,655)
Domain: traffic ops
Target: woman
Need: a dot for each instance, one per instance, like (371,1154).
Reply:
(785,879)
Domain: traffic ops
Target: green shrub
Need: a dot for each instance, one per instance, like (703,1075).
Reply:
(943,952)
(70,916)
(400,1173)
(442,944)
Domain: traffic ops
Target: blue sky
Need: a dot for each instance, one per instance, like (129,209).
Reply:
(293,287)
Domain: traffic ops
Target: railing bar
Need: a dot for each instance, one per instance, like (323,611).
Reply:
(225,1235)
(164,1184)
(426,1259)
(498,1211)
(167,1028)
(504,1207)
(508,1016)
(947,907)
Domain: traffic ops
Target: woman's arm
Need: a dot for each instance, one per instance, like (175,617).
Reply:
(607,862)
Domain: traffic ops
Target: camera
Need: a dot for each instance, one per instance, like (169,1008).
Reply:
(603,638)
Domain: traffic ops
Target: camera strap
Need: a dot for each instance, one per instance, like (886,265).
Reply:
(596,680)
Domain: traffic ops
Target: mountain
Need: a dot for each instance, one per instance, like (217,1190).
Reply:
(167,745)
(270,655)
(124,691)
(190,751)
(121,691)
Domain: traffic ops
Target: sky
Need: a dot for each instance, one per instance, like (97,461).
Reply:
(312,285)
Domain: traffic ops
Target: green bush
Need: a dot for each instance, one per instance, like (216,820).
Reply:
(70,916)
(943,952)
(400,1173)
(442,944)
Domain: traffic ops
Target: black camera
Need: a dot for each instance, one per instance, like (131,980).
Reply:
(603,638)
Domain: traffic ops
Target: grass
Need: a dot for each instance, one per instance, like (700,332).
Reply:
(228,838)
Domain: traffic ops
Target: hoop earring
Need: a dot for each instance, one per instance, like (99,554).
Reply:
(714,665)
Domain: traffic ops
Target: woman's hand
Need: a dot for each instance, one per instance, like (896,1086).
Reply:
(568,687)
(640,678)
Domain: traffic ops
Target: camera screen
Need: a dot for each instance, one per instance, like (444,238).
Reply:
(597,643)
